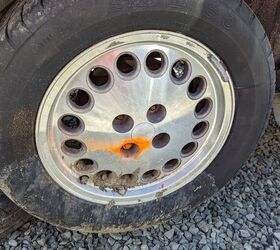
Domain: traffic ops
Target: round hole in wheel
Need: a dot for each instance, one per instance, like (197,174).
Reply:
(104,175)
(171,165)
(156,113)
(79,99)
(129,180)
(70,124)
(189,149)
(197,87)
(127,64)
(123,123)
(180,71)
(161,140)
(86,166)
(73,147)
(104,178)
(203,108)
(129,150)
(200,129)
(100,79)
(155,62)
(150,175)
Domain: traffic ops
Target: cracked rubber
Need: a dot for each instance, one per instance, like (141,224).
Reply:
(38,38)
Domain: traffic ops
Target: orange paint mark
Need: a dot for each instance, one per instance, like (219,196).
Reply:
(143,144)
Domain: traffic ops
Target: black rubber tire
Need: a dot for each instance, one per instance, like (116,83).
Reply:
(4,6)
(40,37)
(11,216)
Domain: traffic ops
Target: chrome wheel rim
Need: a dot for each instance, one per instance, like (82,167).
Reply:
(135,117)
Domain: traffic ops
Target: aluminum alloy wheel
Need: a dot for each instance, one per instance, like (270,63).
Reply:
(135,117)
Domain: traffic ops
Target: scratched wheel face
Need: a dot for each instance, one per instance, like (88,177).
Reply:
(135,117)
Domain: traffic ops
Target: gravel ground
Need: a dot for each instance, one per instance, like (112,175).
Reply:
(243,215)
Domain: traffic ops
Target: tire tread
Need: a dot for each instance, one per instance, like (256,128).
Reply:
(11,216)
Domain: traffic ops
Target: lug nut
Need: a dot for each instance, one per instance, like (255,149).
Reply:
(179,69)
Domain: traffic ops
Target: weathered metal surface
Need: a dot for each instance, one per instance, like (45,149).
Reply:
(121,130)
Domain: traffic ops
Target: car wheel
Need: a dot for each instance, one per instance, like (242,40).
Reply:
(118,115)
